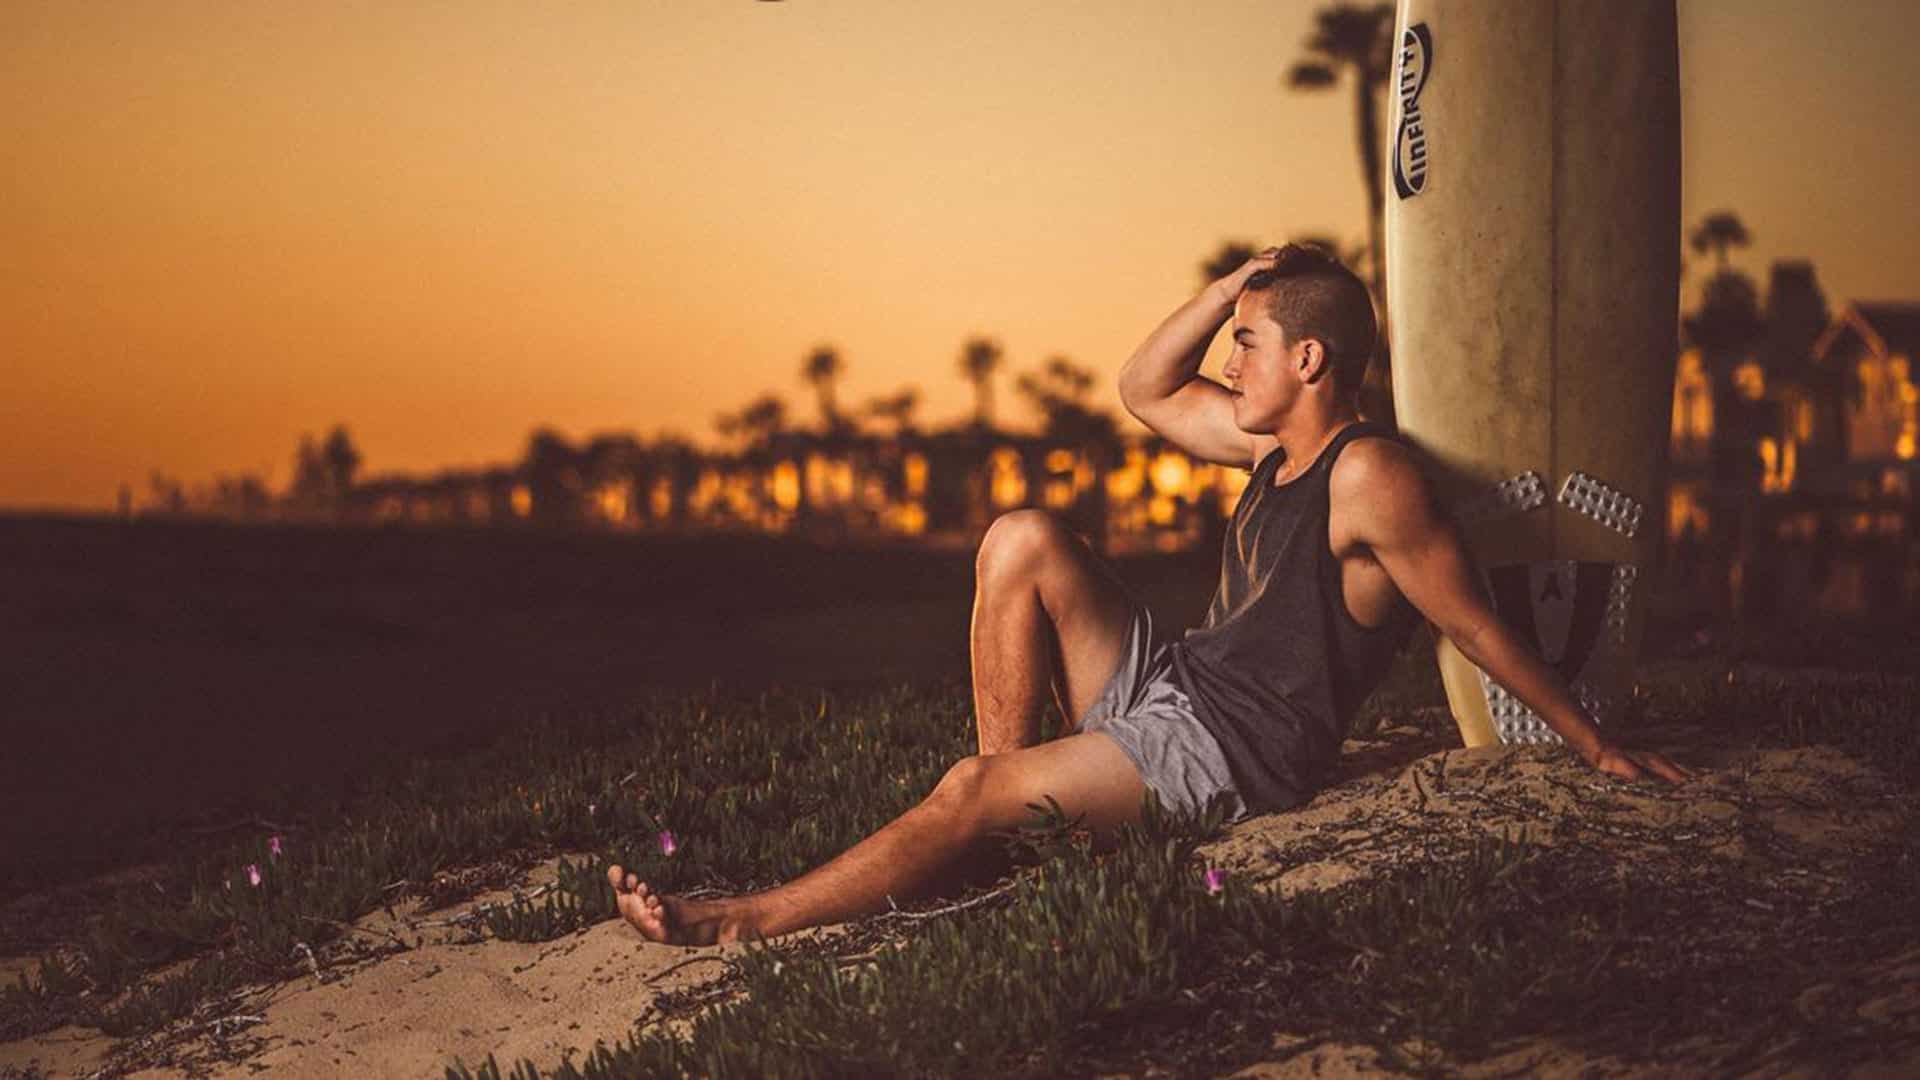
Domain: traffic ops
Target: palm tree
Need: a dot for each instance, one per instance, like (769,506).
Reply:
(822,367)
(1718,232)
(897,409)
(342,459)
(1727,327)
(310,488)
(1360,40)
(979,358)
(1728,320)
(551,467)
(1233,254)
(727,425)
(763,418)
(1059,391)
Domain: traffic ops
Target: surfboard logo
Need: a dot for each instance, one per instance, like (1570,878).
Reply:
(1561,606)
(1412,66)
(1575,614)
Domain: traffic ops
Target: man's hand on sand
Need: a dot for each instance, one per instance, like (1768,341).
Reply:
(1636,764)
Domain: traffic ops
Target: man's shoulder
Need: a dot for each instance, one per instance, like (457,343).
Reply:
(1375,461)
(1377,490)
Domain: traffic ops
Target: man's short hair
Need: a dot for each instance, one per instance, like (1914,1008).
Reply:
(1312,295)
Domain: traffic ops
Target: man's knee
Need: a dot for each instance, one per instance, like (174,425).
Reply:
(976,792)
(1019,542)
(984,794)
(962,783)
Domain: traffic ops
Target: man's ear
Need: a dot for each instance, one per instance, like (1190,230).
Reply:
(1314,363)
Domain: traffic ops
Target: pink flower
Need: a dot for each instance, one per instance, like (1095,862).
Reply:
(1216,880)
(227,884)
(253,873)
(666,843)
(273,845)
(590,808)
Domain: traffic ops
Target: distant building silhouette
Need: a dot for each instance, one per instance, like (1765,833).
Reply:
(1873,345)
(1792,466)
(1793,459)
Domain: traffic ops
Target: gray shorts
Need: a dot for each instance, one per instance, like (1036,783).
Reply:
(1144,710)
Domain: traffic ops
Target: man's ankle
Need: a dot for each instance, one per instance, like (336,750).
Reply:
(740,920)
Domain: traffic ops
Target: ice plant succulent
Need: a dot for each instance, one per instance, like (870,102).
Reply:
(667,845)
(1216,880)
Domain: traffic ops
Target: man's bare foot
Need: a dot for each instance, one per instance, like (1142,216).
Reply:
(672,920)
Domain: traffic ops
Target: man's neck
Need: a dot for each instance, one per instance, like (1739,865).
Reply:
(1305,432)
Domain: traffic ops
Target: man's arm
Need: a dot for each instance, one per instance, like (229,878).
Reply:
(1161,383)
(1388,506)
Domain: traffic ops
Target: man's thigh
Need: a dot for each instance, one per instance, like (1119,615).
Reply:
(1086,774)
(1092,619)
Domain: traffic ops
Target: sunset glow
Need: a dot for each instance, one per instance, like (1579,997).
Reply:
(226,226)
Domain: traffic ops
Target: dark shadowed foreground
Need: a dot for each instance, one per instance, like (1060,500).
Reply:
(1504,910)
(203,673)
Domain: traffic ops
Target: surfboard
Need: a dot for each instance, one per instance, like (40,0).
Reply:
(1532,232)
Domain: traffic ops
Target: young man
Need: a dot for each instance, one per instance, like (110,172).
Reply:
(1334,553)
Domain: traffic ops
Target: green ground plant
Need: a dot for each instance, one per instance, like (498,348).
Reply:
(743,783)
(1130,954)
(1095,965)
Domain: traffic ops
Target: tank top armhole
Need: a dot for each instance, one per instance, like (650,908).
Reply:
(1330,561)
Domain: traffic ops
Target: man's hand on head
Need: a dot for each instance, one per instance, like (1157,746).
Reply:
(1229,287)
(1636,764)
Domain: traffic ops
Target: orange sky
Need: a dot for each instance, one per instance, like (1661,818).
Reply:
(225,225)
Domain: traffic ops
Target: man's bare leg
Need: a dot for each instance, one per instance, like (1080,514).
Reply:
(1088,774)
(1047,615)
(1047,612)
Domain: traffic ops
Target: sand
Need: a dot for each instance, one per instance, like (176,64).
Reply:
(401,997)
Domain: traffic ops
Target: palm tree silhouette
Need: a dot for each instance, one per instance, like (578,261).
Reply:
(822,367)
(763,418)
(727,425)
(309,490)
(1728,320)
(342,459)
(1059,391)
(1718,232)
(1060,379)
(1360,40)
(1233,254)
(897,409)
(979,358)
(551,465)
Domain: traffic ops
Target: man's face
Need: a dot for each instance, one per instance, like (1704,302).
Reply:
(1262,369)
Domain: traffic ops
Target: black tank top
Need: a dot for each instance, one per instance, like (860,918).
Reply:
(1280,665)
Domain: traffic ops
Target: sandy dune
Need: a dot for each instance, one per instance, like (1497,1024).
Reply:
(402,997)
